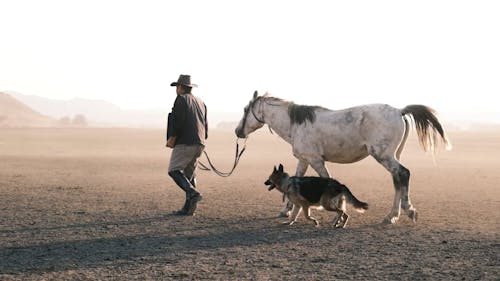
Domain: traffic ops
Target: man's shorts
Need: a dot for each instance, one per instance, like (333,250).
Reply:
(184,157)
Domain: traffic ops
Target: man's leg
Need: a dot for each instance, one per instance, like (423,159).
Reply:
(181,169)
(192,180)
(192,196)
(190,172)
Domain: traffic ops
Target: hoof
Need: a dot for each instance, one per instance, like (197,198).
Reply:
(390,220)
(413,215)
(181,212)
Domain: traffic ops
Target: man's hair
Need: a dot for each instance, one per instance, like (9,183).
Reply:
(186,89)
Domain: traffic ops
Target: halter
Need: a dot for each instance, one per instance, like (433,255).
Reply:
(250,109)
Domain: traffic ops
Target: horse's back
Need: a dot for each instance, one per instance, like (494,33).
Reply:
(360,120)
(382,122)
(345,135)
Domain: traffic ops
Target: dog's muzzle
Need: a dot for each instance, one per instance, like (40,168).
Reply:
(271,185)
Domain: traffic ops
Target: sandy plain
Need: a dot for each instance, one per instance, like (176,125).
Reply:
(94,204)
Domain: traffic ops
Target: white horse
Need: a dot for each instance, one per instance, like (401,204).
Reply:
(345,136)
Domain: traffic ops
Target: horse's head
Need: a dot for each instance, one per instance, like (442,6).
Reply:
(250,122)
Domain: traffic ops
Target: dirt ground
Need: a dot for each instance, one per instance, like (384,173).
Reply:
(94,204)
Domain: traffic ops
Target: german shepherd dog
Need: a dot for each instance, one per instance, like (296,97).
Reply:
(306,192)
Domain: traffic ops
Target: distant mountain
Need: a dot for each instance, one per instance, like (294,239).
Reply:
(102,113)
(98,112)
(14,114)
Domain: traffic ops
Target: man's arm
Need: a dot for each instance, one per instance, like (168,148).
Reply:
(178,116)
(175,121)
(206,123)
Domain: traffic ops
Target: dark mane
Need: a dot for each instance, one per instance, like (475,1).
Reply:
(271,98)
(300,113)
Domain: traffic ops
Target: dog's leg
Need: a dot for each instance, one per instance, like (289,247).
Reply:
(333,205)
(341,208)
(338,218)
(285,212)
(299,172)
(342,221)
(307,214)
(294,216)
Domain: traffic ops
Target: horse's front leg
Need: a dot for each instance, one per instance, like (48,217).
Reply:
(301,168)
(319,167)
(300,172)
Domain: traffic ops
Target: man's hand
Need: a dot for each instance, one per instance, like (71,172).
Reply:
(171,142)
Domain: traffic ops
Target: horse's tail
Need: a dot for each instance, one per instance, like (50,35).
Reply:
(358,205)
(427,126)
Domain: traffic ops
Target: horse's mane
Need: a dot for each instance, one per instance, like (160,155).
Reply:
(268,98)
(298,113)
(301,113)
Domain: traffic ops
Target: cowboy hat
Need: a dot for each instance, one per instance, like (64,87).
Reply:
(184,80)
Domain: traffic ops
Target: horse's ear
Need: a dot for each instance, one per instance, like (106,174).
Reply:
(255,94)
(275,170)
(280,168)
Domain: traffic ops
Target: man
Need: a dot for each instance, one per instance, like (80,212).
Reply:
(187,131)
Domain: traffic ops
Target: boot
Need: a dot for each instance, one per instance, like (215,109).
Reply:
(193,201)
(192,196)
(184,209)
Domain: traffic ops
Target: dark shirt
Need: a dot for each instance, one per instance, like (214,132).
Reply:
(188,120)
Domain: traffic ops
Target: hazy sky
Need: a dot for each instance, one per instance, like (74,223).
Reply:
(445,54)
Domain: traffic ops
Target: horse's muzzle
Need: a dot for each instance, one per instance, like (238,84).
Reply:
(239,133)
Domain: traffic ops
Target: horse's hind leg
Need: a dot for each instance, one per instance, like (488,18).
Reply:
(405,194)
(301,171)
(401,178)
(405,197)
(403,140)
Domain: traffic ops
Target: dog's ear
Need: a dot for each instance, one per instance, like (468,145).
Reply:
(275,170)
(281,168)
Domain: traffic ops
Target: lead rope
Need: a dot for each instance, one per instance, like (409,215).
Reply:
(236,160)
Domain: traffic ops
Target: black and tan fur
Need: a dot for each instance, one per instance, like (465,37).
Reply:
(307,192)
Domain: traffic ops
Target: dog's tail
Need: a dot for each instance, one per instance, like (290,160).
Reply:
(358,205)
